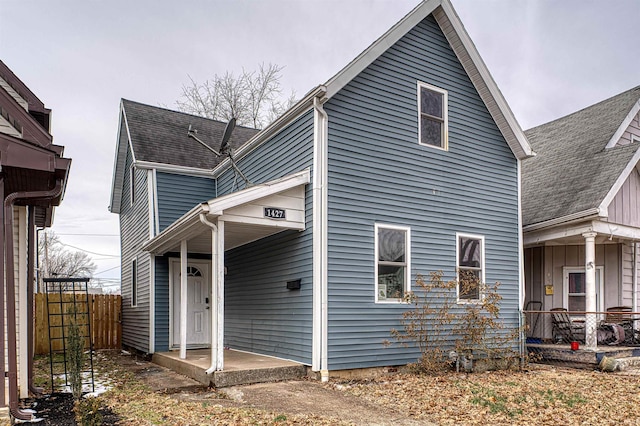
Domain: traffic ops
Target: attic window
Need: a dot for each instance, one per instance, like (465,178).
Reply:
(132,186)
(432,116)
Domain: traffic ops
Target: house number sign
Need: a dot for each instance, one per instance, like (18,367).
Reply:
(274,213)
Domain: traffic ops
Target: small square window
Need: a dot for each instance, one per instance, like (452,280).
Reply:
(432,114)
(134,283)
(132,184)
(392,263)
(470,267)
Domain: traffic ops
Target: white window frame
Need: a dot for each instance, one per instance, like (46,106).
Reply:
(407,262)
(134,282)
(481,294)
(635,138)
(566,270)
(132,184)
(444,143)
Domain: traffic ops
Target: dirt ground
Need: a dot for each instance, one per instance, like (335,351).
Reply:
(293,397)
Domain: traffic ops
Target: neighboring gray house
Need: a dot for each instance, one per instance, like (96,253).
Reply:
(581,207)
(405,162)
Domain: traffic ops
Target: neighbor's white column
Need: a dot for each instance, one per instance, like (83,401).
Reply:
(214,299)
(591,326)
(183,299)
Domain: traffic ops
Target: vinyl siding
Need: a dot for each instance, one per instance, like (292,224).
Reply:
(633,131)
(162,303)
(261,315)
(625,206)
(177,194)
(552,259)
(378,173)
(134,232)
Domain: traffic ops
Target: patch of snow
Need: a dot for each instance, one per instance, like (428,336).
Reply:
(33,420)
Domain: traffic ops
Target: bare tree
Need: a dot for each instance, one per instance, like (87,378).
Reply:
(254,98)
(57,261)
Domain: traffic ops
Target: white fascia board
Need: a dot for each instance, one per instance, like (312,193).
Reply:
(544,235)
(172,168)
(218,205)
(633,163)
(487,88)
(616,230)
(183,227)
(381,45)
(177,228)
(285,119)
(119,163)
(624,125)
(564,220)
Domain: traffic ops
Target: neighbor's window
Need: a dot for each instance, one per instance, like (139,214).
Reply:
(132,182)
(470,266)
(432,105)
(392,262)
(134,283)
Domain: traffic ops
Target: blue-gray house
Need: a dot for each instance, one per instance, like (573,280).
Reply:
(405,162)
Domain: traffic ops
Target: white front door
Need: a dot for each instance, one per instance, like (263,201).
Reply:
(574,289)
(198,298)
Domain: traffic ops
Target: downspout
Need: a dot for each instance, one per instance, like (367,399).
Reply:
(214,280)
(31,261)
(12,370)
(634,291)
(320,193)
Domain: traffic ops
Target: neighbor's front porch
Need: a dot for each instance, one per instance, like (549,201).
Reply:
(239,367)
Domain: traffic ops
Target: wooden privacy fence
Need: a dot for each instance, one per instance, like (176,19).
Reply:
(104,310)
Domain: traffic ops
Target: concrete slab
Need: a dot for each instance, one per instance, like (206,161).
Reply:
(239,367)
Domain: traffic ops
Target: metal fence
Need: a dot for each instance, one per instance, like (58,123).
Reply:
(583,339)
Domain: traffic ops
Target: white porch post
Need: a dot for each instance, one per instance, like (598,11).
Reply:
(183,299)
(591,326)
(218,300)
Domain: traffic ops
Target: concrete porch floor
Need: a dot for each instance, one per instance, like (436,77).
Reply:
(239,367)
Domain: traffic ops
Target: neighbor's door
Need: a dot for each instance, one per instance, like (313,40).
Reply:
(574,294)
(198,319)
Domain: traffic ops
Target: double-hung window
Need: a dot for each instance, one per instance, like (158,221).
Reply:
(470,267)
(393,254)
(432,116)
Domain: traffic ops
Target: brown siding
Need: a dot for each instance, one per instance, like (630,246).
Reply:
(625,207)
(549,262)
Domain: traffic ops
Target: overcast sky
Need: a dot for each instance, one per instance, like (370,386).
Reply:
(549,58)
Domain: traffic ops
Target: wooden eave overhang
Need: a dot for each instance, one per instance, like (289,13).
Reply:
(32,130)
(29,167)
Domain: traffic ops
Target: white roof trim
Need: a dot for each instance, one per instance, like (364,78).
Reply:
(183,227)
(119,162)
(466,52)
(172,168)
(604,205)
(624,125)
(381,45)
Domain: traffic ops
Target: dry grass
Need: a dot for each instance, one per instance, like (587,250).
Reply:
(542,396)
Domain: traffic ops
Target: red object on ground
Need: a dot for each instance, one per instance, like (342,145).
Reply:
(575,346)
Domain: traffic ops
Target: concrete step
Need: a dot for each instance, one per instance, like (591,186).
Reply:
(627,363)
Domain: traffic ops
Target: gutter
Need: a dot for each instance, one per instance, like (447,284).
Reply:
(12,367)
(565,220)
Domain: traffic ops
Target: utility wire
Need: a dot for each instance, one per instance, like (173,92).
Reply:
(87,251)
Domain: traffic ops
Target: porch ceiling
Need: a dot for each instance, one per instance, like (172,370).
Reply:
(244,215)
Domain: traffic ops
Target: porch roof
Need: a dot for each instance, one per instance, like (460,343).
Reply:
(578,169)
(243,214)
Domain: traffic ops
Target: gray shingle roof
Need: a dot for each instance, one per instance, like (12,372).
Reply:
(572,172)
(159,135)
